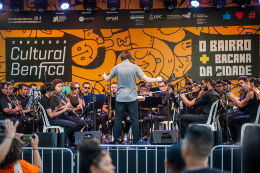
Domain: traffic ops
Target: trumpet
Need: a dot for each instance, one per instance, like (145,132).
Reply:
(16,103)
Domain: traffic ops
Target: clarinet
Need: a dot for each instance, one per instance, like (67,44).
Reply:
(16,103)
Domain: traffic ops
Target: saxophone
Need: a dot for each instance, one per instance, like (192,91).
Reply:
(110,111)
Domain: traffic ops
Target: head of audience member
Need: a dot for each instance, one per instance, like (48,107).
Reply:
(126,55)
(22,88)
(10,88)
(143,89)
(174,162)
(162,85)
(58,85)
(188,86)
(114,88)
(93,159)
(206,83)
(196,146)
(86,88)
(74,88)
(219,86)
(171,88)
(252,83)
(251,151)
(196,86)
(47,89)
(14,153)
(242,80)
(3,89)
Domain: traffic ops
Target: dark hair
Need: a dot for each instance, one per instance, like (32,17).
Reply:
(85,83)
(142,82)
(56,82)
(113,83)
(255,81)
(164,81)
(14,153)
(174,157)
(32,84)
(90,154)
(72,85)
(188,83)
(47,87)
(200,141)
(171,86)
(219,82)
(8,83)
(244,78)
(251,151)
(2,86)
(126,54)
(144,85)
(208,79)
(21,85)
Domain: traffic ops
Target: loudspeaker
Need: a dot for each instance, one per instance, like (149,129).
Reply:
(165,136)
(79,136)
(48,139)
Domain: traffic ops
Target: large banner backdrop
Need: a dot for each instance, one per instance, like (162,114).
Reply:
(81,46)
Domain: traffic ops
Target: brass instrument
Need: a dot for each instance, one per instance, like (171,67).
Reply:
(187,93)
(16,104)
(110,111)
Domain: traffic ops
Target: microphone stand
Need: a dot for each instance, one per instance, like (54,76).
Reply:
(179,102)
(33,108)
(94,112)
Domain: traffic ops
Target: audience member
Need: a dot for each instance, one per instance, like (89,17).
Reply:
(196,148)
(93,159)
(174,162)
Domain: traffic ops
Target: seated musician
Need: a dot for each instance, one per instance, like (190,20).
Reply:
(243,110)
(78,104)
(55,102)
(253,100)
(32,85)
(47,91)
(86,88)
(186,109)
(206,99)
(6,111)
(163,112)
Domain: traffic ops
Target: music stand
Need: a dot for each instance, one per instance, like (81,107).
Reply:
(97,103)
(151,102)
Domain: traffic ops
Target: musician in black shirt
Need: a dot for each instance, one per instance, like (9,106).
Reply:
(206,99)
(69,127)
(6,111)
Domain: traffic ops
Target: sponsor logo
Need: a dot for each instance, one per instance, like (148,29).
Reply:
(226,16)
(187,16)
(137,11)
(59,18)
(112,18)
(137,17)
(81,18)
(156,16)
(174,17)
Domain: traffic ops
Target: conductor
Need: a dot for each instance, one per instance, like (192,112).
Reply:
(126,94)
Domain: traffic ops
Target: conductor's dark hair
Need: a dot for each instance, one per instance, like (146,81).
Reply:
(126,54)
(21,85)
(90,154)
(208,80)
(47,87)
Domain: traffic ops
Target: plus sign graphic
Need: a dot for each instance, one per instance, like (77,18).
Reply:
(204,59)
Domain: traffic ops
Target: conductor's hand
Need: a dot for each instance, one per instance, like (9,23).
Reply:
(159,79)
(104,75)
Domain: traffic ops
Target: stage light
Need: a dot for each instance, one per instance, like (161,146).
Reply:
(195,3)
(89,5)
(219,3)
(113,4)
(170,4)
(64,4)
(2,3)
(40,5)
(17,5)
(243,3)
(146,4)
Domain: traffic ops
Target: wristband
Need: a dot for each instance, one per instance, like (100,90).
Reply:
(9,137)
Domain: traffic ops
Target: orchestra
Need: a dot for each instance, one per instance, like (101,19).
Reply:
(71,110)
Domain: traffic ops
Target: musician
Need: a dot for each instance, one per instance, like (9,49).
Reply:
(126,97)
(163,112)
(86,88)
(78,104)
(47,91)
(219,87)
(243,110)
(32,85)
(6,111)
(196,88)
(186,109)
(253,100)
(206,99)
